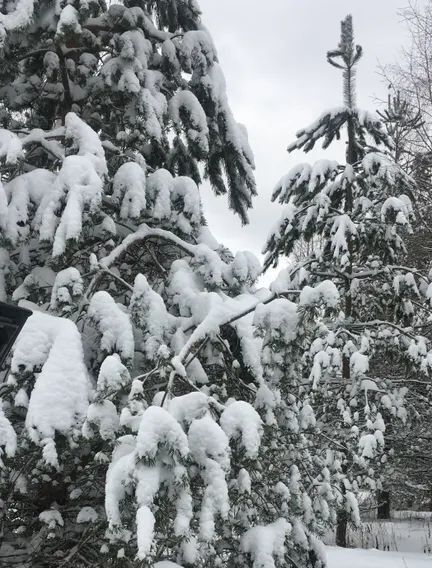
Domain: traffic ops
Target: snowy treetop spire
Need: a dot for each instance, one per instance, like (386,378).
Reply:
(346,58)
(365,126)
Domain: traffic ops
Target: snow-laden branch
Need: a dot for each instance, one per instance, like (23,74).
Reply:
(382,323)
(223,314)
(143,234)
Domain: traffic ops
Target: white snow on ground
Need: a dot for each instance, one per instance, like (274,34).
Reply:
(404,541)
(358,558)
(407,531)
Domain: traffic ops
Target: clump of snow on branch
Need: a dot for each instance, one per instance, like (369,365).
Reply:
(59,399)
(114,325)
(129,190)
(266,543)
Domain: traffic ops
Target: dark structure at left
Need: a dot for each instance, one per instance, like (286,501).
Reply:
(12,320)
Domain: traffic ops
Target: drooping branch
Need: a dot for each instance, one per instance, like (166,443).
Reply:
(141,236)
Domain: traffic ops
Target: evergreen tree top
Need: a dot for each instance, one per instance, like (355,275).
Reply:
(346,58)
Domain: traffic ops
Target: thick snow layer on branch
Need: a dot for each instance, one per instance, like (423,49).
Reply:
(80,186)
(197,48)
(129,187)
(186,204)
(321,361)
(298,176)
(243,271)
(379,166)
(162,444)
(59,399)
(208,440)
(322,170)
(305,176)
(172,200)
(209,447)
(104,418)
(342,227)
(87,515)
(215,312)
(10,147)
(278,318)
(325,292)
(85,142)
(113,376)
(68,284)
(8,437)
(184,290)
(209,265)
(404,282)
(159,187)
(159,428)
(149,313)
(330,120)
(184,106)
(52,518)
(18,17)
(188,407)
(118,479)
(68,21)
(359,363)
(265,543)
(368,446)
(154,106)
(241,420)
(142,47)
(401,206)
(206,237)
(145,523)
(114,325)
(126,74)
(23,193)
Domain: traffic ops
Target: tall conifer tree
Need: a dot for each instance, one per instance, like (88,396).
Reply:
(143,416)
(358,212)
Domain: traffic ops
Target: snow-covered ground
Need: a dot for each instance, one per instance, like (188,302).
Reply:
(358,558)
(403,542)
(407,531)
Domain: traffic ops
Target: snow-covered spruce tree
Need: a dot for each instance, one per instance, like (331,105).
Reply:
(147,404)
(143,73)
(359,210)
(142,420)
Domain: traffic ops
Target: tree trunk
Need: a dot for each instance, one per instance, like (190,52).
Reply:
(383,509)
(341,529)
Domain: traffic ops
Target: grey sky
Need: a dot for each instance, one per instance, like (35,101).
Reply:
(273,56)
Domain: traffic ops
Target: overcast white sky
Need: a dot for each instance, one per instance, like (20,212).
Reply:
(273,54)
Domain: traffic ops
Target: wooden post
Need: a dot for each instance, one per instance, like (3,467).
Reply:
(383,508)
